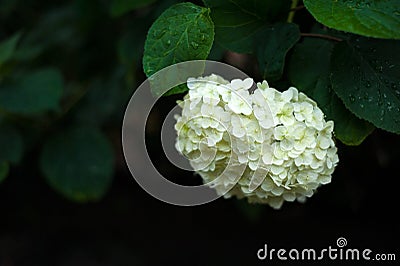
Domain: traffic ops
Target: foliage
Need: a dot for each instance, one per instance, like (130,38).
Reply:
(380,19)
(78,163)
(312,57)
(355,79)
(67,70)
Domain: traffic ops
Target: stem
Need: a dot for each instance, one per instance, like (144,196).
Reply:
(322,36)
(297,8)
(292,11)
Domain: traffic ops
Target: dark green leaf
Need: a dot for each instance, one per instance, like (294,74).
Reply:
(309,72)
(110,93)
(349,129)
(217,52)
(272,46)
(380,19)
(237,22)
(55,31)
(183,32)
(175,77)
(34,92)
(177,90)
(130,48)
(4,168)
(11,144)
(120,7)
(7,47)
(78,163)
(365,75)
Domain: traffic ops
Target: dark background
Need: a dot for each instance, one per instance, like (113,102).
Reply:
(128,226)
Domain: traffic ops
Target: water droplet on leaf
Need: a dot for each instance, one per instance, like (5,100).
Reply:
(195,45)
(379,68)
(380,102)
(382,114)
(389,106)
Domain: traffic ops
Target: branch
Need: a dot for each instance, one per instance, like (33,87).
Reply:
(292,11)
(297,8)
(322,36)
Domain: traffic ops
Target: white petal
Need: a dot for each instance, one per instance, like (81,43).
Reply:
(289,196)
(287,95)
(247,83)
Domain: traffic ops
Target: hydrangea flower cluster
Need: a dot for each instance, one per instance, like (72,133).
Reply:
(266,146)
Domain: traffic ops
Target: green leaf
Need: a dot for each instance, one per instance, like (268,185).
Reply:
(273,45)
(183,32)
(217,52)
(365,75)
(121,7)
(175,77)
(130,47)
(32,93)
(4,169)
(238,21)
(349,129)
(309,72)
(112,95)
(380,19)
(78,164)
(56,30)
(11,144)
(7,47)
(176,90)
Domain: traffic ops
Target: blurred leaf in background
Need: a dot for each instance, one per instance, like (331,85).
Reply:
(121,7)
(11,144)
(78,163)
(7,47)
(68,68)
(33,93)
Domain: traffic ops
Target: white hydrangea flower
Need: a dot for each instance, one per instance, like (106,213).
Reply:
(266,146)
